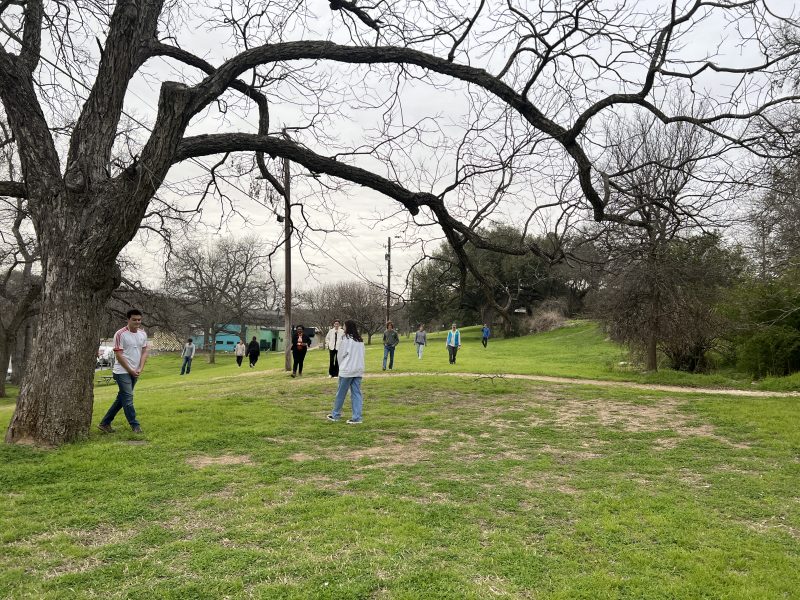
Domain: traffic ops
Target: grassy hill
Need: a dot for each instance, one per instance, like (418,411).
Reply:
(452,487)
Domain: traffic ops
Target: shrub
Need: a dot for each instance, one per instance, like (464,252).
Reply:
(545,320)
(773,350)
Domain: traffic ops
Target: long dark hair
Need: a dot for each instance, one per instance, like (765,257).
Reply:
(351,330)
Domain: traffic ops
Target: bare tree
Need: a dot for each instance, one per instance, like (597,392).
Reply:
(222,285)
(555,69)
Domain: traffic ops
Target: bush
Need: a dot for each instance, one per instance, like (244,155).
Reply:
(545,320)
(773,350)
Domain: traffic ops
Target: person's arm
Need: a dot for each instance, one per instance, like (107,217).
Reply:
(194,348)
(143,360)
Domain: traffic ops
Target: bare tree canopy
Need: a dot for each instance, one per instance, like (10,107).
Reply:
(526,88)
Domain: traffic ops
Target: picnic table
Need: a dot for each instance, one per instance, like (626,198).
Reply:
(105,379)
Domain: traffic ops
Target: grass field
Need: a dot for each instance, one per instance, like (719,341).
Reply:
(452,487)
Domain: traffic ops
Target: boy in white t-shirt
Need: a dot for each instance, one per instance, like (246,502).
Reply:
(130,348)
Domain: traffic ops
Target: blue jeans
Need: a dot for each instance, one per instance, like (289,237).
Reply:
(420,350)
(124,401)
(356,399)
(187,365)
(388,351)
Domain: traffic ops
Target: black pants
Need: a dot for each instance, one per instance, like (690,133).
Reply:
(485,341)
(299,356)
(239,360)
(333,368)
(452,350)
(253,360)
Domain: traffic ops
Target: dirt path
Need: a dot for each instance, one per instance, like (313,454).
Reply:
(604,383)
(567,380)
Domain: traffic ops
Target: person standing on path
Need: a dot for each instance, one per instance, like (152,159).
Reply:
(351,372)
(240,351)
(390,341)
(130,348)
(253,351)
(420,339)
(485,335)
(300,344)
(332,342)
(188,355)
(453,343)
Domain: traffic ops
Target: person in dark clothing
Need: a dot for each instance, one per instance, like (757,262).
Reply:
(253,351)
(300,344)
(390,341)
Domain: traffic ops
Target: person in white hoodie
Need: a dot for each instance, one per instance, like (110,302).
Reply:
(351,371)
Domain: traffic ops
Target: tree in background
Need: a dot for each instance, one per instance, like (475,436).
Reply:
(220,285)
(360,301)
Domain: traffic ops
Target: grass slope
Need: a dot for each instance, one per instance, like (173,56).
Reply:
(453,488)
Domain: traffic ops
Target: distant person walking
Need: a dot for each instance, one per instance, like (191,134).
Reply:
(332,342)
(240,351)
(300,344)
(253,351)
(130,348)
(485,335)
(453,343)
(188,355)
(420,339)
(351,371)
(390,341)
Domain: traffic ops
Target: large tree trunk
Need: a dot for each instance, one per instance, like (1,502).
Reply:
(22,350)
(56,398)
(651,358)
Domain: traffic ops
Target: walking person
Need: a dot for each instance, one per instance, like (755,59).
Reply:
(240,352)
(332,342)
(390,341)
(420,339)
(485,335)
(300,344)
(351,371)
(188,355)
(453,343)
(253,351)
(130,348)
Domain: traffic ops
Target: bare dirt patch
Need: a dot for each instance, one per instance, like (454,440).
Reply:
(202,461)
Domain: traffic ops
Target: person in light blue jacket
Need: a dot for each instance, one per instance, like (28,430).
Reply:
(453,343)
(351,370)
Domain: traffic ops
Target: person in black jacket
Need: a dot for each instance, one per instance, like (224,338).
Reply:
(253,351)
(300,344)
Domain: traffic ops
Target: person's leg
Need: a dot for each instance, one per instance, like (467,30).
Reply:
(127,405)
(485,341)
(254,360)
(188,365)
(335,363)
(385,354)
(455,352)
(355,398)
(183,366)
(301,359)
(450,354)
(341,392)
(239,361)
(391,357)
(295,358)
(124,386)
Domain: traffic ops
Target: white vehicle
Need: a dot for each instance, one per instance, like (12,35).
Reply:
(105,356)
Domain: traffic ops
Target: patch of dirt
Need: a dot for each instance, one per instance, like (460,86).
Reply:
(565,455)
(302,457)
(774,525)
(135,442)
(203,460)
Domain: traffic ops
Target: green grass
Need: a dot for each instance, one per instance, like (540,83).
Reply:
(452,488)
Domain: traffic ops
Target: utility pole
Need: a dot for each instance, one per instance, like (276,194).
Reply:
(287,267)
(388,276)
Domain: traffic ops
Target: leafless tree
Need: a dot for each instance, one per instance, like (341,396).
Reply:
(555,68)
(363,302)
(221,285)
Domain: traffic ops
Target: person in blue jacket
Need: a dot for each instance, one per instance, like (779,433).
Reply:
(453,343)
(485,335)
